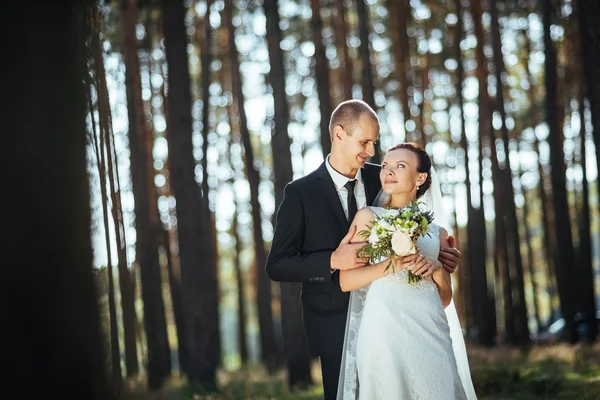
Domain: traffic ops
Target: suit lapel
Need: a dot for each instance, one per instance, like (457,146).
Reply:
(328,188)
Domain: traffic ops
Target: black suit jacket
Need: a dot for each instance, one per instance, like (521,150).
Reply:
(310,225)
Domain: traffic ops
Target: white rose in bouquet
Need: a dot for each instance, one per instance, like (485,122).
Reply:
(402,243)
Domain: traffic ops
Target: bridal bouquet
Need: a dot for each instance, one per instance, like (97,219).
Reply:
(395,232)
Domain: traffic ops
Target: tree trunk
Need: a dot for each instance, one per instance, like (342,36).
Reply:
(426,92)
(295,347)
(199,281)
(515,261)
(466,265)
(98,144)
(588,13)
(531,264)
(146,216)
(368,89)
(49,301)
(322,76)
(169,236)
(586,277)
(341,36)
(205,38)
(125,286)
(546,206)
(564,250)
(398,21)
(265,316)
(240,291)
(482,299)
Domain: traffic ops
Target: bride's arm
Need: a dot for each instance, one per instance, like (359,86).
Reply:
(357,278)
(441,277)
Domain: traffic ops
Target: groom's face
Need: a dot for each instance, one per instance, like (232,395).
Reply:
(359,144)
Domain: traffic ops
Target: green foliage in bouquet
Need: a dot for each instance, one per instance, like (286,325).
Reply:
(410,221)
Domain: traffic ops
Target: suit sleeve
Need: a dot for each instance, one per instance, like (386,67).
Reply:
(286,262)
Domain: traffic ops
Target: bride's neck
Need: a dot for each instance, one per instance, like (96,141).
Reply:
(401,200)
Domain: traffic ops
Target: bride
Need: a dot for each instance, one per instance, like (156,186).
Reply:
(403,340)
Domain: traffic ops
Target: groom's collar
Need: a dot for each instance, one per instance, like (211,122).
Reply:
(338,179)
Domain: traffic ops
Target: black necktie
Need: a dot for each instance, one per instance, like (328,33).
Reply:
(352,207)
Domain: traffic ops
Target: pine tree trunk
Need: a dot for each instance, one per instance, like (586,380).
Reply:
(169,236)
(368,89)
(546,206)
(265,316)
(198,277)
(398,21)
(514,259)
(322,76)
(49,302)
(146,216)
(588,13)
(206,51)
(564,239)
(531,264)
(341,36)
(586,278)
(482,298)
(125,286)
(243,347)
(294,338)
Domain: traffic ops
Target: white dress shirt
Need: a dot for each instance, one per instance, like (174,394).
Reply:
(340,180)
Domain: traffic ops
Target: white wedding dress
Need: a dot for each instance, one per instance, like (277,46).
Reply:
(398,342)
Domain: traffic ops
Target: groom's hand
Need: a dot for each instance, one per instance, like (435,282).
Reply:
(449,256)
(344,257)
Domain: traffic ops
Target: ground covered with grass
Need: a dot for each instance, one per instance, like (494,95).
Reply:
(550,372)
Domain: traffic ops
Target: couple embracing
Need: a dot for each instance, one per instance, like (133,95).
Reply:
(377,335)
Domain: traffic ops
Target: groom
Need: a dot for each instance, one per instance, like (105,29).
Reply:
(311,240)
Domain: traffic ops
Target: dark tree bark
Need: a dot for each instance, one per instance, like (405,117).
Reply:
(586,278)
(483,297)
(588,12)
(146,213)
(97,139)
(544,185)
(205,38)
(508,206)
(169,237)
(322,76)
(464,278)
(399,13)
(295,347)
(49,301)
(341,36)
(265,316)
(564,238)
(368,89)
(125,286)
(198,277)
(243,346)
(531,264)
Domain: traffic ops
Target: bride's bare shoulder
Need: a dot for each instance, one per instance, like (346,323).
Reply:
(363,216)
(362,221)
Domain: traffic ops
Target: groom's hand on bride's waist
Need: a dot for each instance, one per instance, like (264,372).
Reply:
(344,257)
(449,256)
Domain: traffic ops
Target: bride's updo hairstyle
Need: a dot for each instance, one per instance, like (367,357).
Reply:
(424,163)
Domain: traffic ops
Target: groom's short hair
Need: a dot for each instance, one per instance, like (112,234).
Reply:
(348,113)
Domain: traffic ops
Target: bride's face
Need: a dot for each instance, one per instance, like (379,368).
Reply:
(399,172)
